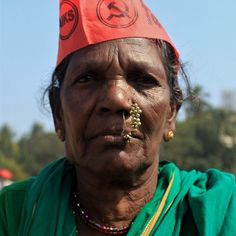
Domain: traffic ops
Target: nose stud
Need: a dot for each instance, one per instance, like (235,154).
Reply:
(135,113)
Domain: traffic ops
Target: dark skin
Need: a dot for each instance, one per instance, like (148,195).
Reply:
(114,179)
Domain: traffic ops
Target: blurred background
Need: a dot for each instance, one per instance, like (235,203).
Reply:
(203,31)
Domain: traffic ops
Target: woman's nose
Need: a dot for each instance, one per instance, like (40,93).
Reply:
(115,97)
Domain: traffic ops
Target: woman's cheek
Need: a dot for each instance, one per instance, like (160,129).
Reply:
(74,131)
(155,118)
(75,147)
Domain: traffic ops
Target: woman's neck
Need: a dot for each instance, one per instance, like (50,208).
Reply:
(113,203)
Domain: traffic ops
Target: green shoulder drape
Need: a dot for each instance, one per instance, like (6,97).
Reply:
(198,204)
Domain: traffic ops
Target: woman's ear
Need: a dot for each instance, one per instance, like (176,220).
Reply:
(55,104)
(59,125)
(170,125)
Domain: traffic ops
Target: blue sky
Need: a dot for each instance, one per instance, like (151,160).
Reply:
(203,31)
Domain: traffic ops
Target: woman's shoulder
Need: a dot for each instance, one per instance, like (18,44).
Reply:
(212,202)
(216,180)
(15,192)
(11,203)
(17,186)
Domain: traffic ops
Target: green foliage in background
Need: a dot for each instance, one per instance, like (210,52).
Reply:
(38,148)
(28,155)
(205,138)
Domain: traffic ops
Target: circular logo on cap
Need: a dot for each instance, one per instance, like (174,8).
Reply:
(69,17)
(117,13)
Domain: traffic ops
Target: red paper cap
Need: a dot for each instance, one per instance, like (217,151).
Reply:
(87,22)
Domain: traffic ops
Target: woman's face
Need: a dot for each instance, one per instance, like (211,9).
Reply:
(101,83)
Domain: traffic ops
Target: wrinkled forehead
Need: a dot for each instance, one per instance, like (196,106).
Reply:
(140,53)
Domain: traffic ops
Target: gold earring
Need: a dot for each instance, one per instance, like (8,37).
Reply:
(170,135)
(59,134)
(135,113)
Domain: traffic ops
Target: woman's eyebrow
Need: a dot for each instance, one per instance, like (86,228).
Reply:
(145,67)
(90,64)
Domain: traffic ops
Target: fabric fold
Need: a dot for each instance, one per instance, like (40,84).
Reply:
(47,206)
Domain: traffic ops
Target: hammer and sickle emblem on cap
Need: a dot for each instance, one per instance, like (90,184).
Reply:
(117,11)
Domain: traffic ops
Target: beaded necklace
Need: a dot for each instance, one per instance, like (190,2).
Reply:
(106,229)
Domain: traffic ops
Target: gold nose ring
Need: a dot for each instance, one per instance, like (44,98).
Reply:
(135,113)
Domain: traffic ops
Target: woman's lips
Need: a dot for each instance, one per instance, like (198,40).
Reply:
(108,137)
(112,137)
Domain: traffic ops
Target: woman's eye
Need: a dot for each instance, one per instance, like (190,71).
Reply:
(146,81)
(85,78)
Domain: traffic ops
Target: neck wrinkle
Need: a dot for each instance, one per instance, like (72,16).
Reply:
(116,205)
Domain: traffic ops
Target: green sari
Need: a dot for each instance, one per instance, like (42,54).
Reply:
(195,204)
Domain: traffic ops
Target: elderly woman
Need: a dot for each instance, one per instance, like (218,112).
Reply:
(114,97)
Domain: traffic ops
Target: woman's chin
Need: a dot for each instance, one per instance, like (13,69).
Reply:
(116,164)
(111,158)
